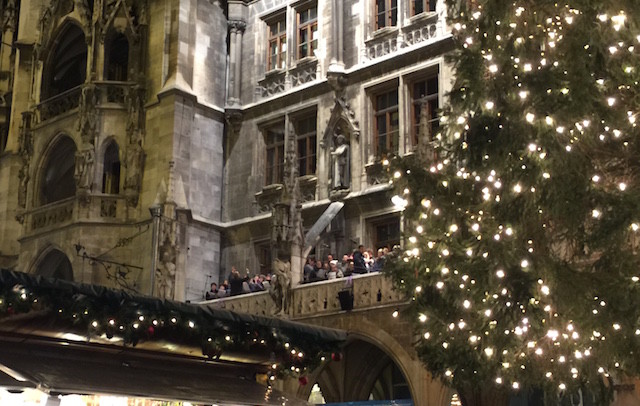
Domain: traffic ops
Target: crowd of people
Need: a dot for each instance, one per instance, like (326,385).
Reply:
(237,285)
(361,261)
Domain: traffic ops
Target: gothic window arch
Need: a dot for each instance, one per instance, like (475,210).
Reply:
(111,169)
(55,264)
(116,57)
(66,67)
(57,180)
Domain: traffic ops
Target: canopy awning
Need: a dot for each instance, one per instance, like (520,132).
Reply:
(68,337)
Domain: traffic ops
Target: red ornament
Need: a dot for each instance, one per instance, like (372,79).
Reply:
(151,331)
(336,356)
(303,380)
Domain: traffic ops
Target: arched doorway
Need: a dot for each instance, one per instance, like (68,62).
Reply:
(55,264)
(57,180)
(362,372)
(66,67)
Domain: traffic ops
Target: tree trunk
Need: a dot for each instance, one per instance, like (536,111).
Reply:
(483,395)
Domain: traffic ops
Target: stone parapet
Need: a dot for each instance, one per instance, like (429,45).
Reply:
(309,300)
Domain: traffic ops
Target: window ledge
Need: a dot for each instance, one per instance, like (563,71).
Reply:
(384,31)
(274,72)
(425,16)
(306,61)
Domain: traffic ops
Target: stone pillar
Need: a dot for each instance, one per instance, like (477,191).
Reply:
(236,31)
(337,60)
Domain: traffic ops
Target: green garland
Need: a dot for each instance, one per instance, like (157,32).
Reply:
(96,312)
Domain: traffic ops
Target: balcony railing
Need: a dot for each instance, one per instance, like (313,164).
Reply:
(107,93)
(321,298)
(95,208)
(58,104)
(51,215)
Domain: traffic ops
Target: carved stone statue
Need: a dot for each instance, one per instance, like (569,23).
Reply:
(134,161)
(165,276)
(84,168)
(24,182)
(87,123)
(280,288)
(341,171)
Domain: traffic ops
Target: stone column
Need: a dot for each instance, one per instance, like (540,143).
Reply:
(236,31)
(337,60)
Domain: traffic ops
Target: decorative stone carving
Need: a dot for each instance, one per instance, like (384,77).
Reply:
(134,100)
(304,73)
(88,114)
(84,168)
(59,104)
(25,151)
(379,47)
(9,16)
(48,22)
(273,84)
(280,288)
(341,156)
(134,163)
(236,26)
(134,13)
(165,273)
(85,13)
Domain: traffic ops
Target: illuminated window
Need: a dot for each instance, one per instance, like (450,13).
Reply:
(306,138)
(386,129)
(386,13)
(307,32)
(277,57)
(274,170)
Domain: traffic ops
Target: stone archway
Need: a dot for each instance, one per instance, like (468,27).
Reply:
(55,264)
(376,347)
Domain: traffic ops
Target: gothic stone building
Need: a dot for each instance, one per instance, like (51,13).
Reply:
(140,135)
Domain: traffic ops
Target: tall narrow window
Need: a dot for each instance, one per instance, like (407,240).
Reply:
(274,171)
(57,180)
(386,123)
(277,44)
(117,58)
(421,6)
(306,135)
(66,67)
(424,95)
(307,32)
(111,170)
(386,13)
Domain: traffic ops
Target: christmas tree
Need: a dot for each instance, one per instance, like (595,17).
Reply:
(522,237)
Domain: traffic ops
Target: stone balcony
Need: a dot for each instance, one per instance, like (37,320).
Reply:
(370,291)
(108,94)
(95,208)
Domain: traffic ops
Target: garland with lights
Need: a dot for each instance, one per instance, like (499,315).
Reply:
(521,251)
(117,316)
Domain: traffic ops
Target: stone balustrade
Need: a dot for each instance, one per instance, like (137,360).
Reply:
(93,208)
(58,104)
(51,215)
(107,93)
(320,298)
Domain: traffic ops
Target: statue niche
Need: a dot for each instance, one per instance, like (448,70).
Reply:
(341,161)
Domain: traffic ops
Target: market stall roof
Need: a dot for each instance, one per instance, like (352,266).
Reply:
(69,337)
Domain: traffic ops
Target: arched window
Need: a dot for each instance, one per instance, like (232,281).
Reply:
(67,64)
(57,180)
(111,170)
(55,265)
(116,58)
